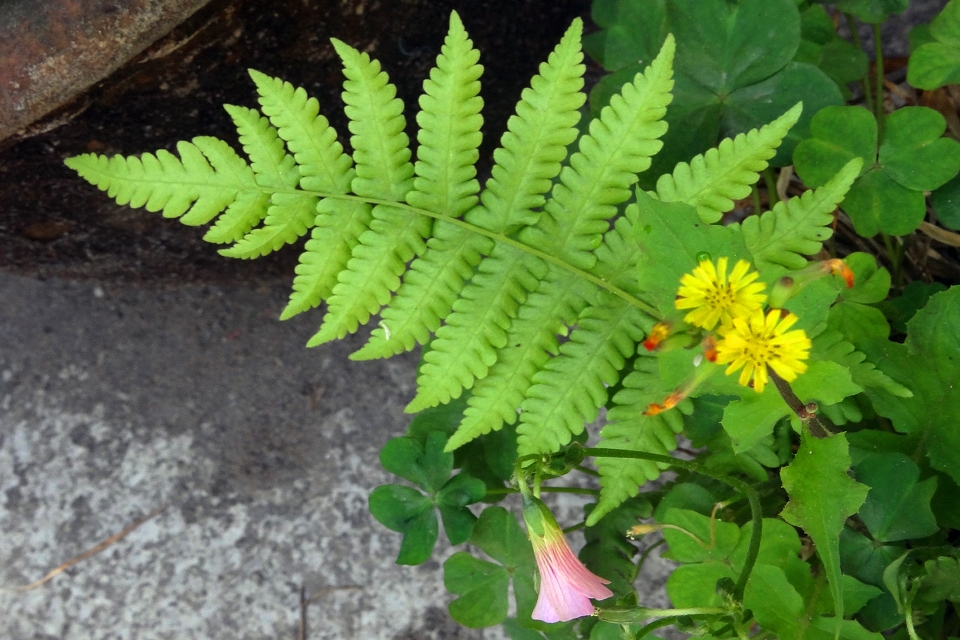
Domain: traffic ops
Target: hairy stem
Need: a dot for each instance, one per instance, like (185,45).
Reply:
(806,413)
(756,515)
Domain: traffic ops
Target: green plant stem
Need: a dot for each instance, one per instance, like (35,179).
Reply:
(496,237)
(756,200)
(508,490)
(852,25)
(588,471)
(878,62)
(646,554)
(627,615)
(576,527)
(895,252)
(756,514)
(772,196)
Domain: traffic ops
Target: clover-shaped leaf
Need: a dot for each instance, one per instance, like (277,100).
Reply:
(936,63)
(482,586)
(841,60)
(733,71)
(888,195)
(410,512)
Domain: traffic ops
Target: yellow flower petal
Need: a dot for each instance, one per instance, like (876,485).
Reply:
(762,341)
(714,298)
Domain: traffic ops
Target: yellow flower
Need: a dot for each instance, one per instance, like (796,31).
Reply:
(715,298)
(756,342)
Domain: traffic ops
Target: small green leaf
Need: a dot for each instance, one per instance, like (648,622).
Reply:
(427,465)
(876,202)
(837,136)
(775,603)
(897,506)
(694,585)
(701,539)
(482,587)
(914,153)
(935,54)
(929,363)
(631,31)
(856,594)
(822,497)
(736,47)
(871,283)
(946,204)
(864,559)
(942,580)
(409,512)
(914,297)
(452,500)
(686,495)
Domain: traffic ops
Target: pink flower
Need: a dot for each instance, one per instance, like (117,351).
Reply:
(566,586)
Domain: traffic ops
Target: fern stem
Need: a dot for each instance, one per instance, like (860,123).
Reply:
(772,196)
(756,515)
(577,490)
(496,237)
(852,25)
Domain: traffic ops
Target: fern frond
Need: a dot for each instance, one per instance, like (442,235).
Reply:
(620,145)
(449,135)
(373,272)
(202,182)
(532,339)
(241,216)
(382,156)
(570,389)
(289,217)
(798,227)
(627,428)
(713,180)
(325,168)
(536,140)
(271,163)
(465,347)
(430,286)
(831,345)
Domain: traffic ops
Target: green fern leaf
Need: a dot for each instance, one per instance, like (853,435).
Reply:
(627,428)
(373,272)
(270,162)
(337,231)
(532,339)
(831,345)
(570,389)
(430,286)
(712,181)
(619,146)
(289,217)
(195,187)
(382,156)
(536,140)
(325,168)
(241,216)
(272,166)
(797,227)
(466,346)
(445,183)
(449,133)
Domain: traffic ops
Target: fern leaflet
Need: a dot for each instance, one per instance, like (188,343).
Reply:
(627,428)
(798,227)
(713,180)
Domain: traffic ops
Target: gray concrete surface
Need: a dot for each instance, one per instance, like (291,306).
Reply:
(115,400)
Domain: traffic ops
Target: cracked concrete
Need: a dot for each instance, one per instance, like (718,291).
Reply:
(115,400)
